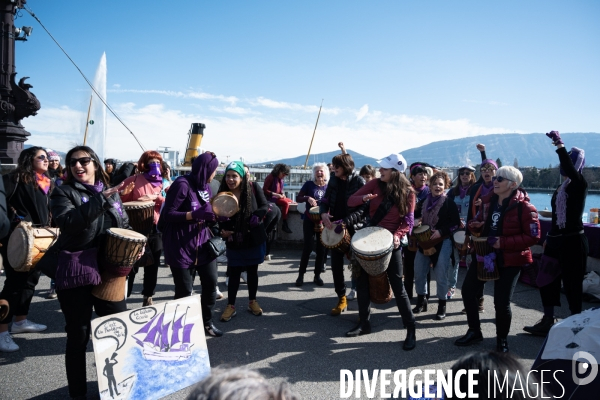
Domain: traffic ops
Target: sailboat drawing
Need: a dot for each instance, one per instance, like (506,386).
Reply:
(165,340)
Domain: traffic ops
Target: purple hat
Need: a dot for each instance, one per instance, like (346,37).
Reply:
(578,158)
(52,155)
(489,161)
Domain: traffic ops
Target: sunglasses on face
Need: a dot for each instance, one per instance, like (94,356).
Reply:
(501,179)
(487,169)
(465,173)
(42,158)
(83,161)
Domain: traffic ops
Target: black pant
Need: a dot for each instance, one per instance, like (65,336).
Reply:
(409,271)
(76,305)
(337,269)
(308,228)
(394,273)
(150,271)
(184,284)
(234,282)
(572,254)
(18,290)
(503,291)
(271,219)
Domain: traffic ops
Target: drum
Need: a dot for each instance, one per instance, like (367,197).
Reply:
(336,241)
(301,208)
(225,204)
(27,245)
(141,215)
(460,243)
(423,233)
(486,260)
(122,248)
(4,308)
(372,246)
(315,216)
(380,290)
(412,243)
(112,287)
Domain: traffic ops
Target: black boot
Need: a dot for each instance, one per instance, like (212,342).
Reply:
(470,338)
(501,345)
(285,227)
(421,304)
(441,311)
(542,327)
(360,329)
(300,280)
(318,281)
(411,339)
(211,330)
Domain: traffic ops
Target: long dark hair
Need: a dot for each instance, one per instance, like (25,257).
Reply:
(25,171)
(240,219)
(279,168)
(100,174)
(456,188)
(398,189)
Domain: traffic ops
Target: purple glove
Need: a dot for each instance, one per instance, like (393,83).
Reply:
(491,240)
(339,228)
(555,136)
(204,214)
(254,221)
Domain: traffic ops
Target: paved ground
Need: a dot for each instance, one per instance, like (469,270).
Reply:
(295,340)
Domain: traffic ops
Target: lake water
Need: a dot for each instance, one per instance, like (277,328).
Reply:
(541,201)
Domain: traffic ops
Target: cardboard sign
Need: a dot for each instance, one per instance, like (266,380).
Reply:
(150,352)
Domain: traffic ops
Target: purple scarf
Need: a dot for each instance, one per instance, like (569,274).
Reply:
(154,175)
(463,191)
(97,187)
(431,209)
(485,189)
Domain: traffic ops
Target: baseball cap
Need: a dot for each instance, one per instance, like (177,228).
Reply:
(395,161)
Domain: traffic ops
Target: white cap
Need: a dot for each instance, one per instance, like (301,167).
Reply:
(467,167)
(395,161)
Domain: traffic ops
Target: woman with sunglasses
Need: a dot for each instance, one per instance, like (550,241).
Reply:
(461,197)
(273,189)
(244,235)
(147,186)
(441,214)
(186,222)
(394,196)
(83,207)
(512,227)
(27,195)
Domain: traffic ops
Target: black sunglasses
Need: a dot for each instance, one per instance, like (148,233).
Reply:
(83,161)
(42,157)
(500,179)
(466,173)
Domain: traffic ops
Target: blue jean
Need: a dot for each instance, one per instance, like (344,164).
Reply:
(440,271)
(453,269)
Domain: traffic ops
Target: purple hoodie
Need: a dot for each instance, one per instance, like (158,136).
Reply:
(182,239)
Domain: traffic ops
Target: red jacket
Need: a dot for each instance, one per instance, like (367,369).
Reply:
(520,229)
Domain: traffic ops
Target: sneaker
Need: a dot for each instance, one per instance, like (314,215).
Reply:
(7,344)
(147,301)
(244,276)
(27,327)
(450,293)
(254,308)
(351,295)
(51,294)
(228,313)
(227,281)
(219,294)
(268,257)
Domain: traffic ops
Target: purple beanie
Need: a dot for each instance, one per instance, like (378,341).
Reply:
(52,155)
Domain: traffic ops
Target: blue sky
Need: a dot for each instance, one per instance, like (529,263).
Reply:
(393,74)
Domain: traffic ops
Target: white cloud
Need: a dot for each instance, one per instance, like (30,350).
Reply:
(116,85)
(362,112)
(172,93)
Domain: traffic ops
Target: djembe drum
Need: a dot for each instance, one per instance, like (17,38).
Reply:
(141,215)
(487,270)
(460,243)
(27,245)
(336,241)
(380,291)
(315,216)
(372,247)
(423,233)
(225,204)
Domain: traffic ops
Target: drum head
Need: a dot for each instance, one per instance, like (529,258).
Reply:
(330,238)
(126,233)
(315,210)
(459,237)
(138,204)
(19,246)
(421,229)
(372,240)
(225,204)
(301,208)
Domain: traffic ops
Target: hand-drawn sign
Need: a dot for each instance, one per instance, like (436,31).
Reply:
(142,315)
(112,328)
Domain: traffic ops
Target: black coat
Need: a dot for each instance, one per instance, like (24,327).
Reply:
(4,221)
(354,214)
(28,200)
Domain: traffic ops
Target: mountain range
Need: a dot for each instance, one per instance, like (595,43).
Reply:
(530,150)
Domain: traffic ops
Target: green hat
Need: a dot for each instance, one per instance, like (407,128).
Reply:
(236,166)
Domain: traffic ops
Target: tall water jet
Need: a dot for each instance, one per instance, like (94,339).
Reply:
(96,123)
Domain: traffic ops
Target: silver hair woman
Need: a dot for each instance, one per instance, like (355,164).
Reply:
(324,167)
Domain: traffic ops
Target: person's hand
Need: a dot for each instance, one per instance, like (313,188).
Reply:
(141,253)
(110,191)
(339,228)
(368,197)
(148,197)
(481,147)
(312,202)
(128,189)
(225,234)
(435,235)
(254,221)
(342,147)
(204,213)
(278,195)
(555,136)
(477,203)
(326,221)
(396,242)
(417,222)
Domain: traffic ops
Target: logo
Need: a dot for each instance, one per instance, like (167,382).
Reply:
(399,162)
(588,367)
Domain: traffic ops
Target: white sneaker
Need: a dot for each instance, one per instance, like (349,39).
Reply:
(27,327)
(268,257)
(219,294)
(7,344)
(244,276)
(313,254)
(351,295)
(227,281)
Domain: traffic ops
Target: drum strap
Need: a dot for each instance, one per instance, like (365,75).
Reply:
(381,212)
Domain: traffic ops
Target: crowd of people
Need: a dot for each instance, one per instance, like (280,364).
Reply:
(86,198)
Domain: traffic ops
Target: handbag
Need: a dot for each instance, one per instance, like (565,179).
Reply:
(75,269)
(215,245)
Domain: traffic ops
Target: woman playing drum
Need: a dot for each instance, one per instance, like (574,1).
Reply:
(84,208)
(334,206)
(566,245)
(147,186)
(511,226)
(245,236)
(27,193)
(312,192)
(187,217)
(392,190)
(273,189)
(441,214)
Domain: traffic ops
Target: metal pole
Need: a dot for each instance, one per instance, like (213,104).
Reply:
(313,136)
(87,121)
